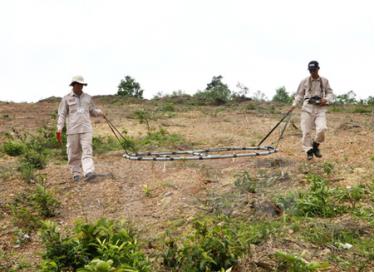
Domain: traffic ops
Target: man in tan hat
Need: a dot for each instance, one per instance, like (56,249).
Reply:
(76,108)
(316,94)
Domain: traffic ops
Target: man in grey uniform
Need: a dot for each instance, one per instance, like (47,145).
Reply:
(316,94)
(76,108)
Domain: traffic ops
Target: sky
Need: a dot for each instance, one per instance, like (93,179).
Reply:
(171,45)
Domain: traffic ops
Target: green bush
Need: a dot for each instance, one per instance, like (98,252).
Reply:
(109,241)
(216,93)
(27,171)
(44,201)
(28,209)
(352,194)
(161,138)
(130,88)
(98,265)
(14,148)
(35,158)
(144,117)
(24,217)
(282,96)
(213,245)
(328,168)
(102,144)
(319,200)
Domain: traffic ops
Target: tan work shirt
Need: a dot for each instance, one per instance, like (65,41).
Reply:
(310,87)
(76,111)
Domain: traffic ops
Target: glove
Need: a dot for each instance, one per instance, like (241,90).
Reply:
(59,137)
(99,112)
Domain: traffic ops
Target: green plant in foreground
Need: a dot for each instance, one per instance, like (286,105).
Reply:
(35,158)
(214,244)
(27,171)
(328,168)
(290,263)
(352,194)
(45,201)
(318,200)
(14,148)
(109,241)
(98,265)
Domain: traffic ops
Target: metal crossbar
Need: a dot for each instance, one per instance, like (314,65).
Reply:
(202,154)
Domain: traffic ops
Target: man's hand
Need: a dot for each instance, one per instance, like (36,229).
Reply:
(100,113)
(59,136)
(323,102)
(292,108)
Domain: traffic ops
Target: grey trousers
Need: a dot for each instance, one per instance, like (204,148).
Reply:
(79,150)
(313,117)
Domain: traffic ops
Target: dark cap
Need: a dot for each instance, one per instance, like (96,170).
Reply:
(313,65)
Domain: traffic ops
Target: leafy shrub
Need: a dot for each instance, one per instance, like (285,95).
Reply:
(318,201)
(130,88)
(28,209)
(24,217)
(14,148)
(329,234)
(143,117)
(44,201)
(352,194)
(35,158)
(102,144)
(167,107)
(162,138)
(98,265)
(129,144)
(328,168)
(214,244)
(216,93)
(105,240)
(27,171)
(282,96)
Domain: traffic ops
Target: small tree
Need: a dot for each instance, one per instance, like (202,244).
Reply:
(348,98)
(282,96)
(129,87)
(216,92)
(259,96)
(242,92)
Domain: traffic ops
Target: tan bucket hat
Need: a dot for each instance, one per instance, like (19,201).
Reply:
(78,79)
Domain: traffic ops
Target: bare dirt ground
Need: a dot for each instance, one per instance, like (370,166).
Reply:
(177,191)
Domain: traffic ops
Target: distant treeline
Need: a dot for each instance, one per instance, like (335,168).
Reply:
(217,93)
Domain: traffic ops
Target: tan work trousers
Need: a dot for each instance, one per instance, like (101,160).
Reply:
(313,116)
(79,149)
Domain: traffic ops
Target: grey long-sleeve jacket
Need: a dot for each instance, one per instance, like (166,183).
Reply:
(314,87)
(76,111)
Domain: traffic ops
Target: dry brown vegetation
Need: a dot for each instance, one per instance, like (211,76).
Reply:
(158,196)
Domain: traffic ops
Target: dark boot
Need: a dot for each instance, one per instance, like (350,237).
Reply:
(316,150)
(310,154)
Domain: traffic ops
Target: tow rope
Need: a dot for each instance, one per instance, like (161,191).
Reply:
(203,154)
